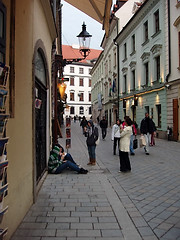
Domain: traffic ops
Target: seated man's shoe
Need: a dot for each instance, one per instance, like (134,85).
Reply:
(83,171)
(147,153)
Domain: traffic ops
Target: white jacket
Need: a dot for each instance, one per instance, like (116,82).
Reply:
(115,131)
(125,139)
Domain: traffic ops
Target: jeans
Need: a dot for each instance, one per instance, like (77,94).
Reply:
(65,165)
(131,144)
(91,151)
(116,140)
(69,158)
(104,131)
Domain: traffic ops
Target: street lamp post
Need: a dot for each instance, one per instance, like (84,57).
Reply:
(84,44)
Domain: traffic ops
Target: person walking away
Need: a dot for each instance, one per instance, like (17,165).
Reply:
(91,132)
(115,136)
(153,135)
(126,132)
(103,126)
(134,133)
(83,123)
(146,129)
(56,165)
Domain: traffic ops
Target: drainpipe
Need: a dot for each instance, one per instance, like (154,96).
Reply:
(118,83)
(169,41)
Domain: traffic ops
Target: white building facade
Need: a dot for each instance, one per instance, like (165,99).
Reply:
(78,89)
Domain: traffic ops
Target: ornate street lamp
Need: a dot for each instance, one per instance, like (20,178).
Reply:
(84,43)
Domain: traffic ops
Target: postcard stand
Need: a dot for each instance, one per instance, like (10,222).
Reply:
(68,133)
(4,75)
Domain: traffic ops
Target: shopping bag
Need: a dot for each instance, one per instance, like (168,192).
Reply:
(135,143)
(142,141)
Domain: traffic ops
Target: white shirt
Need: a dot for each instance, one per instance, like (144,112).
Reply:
(115,131)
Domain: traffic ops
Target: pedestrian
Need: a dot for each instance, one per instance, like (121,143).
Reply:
(83,123)
(74,118)
(56,165)
(146,129)
(126,132)
(98,119)
(115,136)
(103,126)
(133,135)
(91,132)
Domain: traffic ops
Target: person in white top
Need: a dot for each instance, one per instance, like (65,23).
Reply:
(116,135)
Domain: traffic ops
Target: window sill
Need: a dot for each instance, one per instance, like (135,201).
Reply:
(144,43)
(156,34)
(134,52)
(124,60)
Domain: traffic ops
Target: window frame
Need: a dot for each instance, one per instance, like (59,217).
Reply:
(72,96)
(71,69)
(71,81)
(3,38)
(81,82)
(81,70)
(156,21)
(146,31)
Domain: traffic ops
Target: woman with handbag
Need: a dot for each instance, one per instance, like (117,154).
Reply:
(91,132)
(125,165)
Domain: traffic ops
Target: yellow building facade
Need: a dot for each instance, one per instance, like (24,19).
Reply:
(29,33)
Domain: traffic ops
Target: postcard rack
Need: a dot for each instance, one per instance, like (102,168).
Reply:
(4,74)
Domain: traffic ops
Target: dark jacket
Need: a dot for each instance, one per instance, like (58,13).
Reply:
(92,136)
(103,123)
(147,126)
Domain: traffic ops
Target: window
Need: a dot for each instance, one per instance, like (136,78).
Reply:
(133,80)
(89,82)
(90,111)
(89,97)
(147,109)
(125,51)
(125,84)
(72,110)
(156,19)
(146,68)
(81,82)
(179,49)
(71,81)
(158,107)
(81,70)
(81,97)
(89,70)
(81,110)
(145,31)
(71,69)
(2,32)
(157,65)
(71,96)
(114,59)
(133,44)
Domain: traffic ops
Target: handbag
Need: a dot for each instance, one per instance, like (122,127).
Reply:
(135,143)
(142,141)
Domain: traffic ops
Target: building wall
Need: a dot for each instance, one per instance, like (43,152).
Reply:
(30,26)
(86,89)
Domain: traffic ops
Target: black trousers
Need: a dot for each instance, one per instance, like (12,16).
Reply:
(104,132)
(124,161)
(116,140)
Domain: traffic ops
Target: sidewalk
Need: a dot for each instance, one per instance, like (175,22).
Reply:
(105,204)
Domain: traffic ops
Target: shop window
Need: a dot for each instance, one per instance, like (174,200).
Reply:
(147,109)
(158,108)
(81,82)
(72,81)
(2,33)
(72,110)
(81,110)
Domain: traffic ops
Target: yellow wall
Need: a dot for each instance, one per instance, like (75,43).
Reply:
(30,25)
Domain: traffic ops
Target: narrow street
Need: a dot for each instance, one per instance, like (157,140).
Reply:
(105,204)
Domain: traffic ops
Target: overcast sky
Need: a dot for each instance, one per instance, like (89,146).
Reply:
(72,20)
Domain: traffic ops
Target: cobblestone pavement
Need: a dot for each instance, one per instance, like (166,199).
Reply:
(105,204)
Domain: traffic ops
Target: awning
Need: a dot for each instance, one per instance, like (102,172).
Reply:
(96,9)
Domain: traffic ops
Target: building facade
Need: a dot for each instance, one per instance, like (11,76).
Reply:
(79,85)
(26,41)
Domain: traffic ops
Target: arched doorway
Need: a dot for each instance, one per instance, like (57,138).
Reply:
(40,74)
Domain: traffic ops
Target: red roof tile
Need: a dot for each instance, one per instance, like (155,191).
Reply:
(69,52)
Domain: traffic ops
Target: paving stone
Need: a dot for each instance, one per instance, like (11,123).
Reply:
(88,233)
(112,233)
